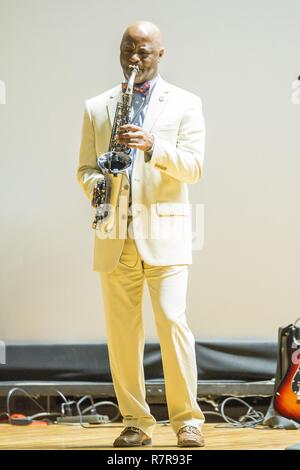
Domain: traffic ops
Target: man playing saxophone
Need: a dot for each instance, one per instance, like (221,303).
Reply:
(165,140)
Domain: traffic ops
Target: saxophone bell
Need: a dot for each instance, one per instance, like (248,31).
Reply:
(114,162)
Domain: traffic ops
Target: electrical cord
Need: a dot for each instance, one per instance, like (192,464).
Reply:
(10,394)
(66,410)
(101,403)
(27,419)
(61,395)
(89,408)
(92,408)
(251,419)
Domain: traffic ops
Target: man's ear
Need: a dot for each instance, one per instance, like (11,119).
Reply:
(161,54)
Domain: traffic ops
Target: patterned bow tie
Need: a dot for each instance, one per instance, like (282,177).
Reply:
(142,88)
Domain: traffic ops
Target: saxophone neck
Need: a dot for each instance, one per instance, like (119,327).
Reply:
(129,90)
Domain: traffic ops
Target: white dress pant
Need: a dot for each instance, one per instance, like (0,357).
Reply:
(122,294)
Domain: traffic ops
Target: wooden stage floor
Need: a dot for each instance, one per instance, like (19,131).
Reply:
(74,437)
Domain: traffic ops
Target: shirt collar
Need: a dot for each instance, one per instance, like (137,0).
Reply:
(152,83)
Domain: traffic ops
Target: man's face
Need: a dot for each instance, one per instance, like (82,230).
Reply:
(142,51)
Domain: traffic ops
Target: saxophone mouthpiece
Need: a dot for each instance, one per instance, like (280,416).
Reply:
(136,67)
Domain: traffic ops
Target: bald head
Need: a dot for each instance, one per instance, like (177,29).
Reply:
(143,29)
(141,45)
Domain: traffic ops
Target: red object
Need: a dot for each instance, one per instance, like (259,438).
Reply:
(287,397)
(142,88)
(22,420)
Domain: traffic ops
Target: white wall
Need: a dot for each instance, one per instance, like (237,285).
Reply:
(241,57)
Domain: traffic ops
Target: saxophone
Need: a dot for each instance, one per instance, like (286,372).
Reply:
(113,163)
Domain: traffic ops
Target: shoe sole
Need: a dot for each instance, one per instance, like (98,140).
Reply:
(147,442)
(191,444)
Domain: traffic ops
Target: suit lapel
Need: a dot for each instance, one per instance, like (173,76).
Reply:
(157,102)
(112,103)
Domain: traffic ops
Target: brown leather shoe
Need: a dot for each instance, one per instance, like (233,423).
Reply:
(190,436)
(132,437)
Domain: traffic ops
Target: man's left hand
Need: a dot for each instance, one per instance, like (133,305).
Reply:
(135,137)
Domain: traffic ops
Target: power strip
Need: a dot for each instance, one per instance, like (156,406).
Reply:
(91,419)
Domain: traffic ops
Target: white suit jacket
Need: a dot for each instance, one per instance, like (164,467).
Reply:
(161,211)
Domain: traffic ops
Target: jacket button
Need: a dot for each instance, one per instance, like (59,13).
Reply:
(125,186)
